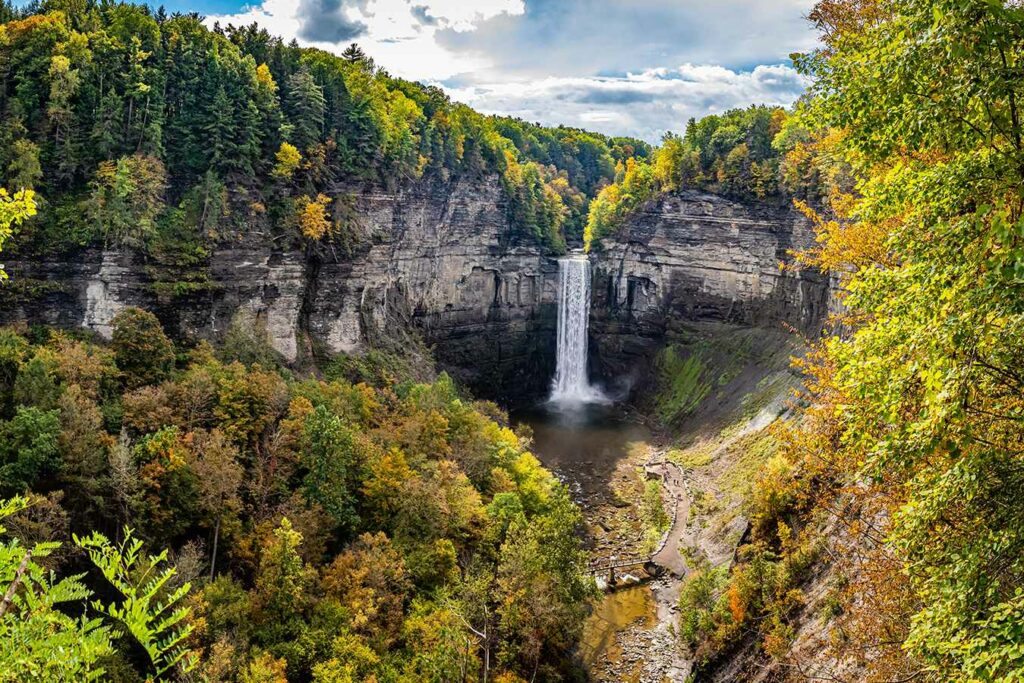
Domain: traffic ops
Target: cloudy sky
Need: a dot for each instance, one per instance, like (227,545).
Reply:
(623,67)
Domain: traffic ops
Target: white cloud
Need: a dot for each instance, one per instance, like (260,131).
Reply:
(548,60)
(399,34)
(461,15)
(602,117)
(588,37)
(645,104)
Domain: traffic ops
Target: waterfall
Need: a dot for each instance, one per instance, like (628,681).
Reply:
(571,384)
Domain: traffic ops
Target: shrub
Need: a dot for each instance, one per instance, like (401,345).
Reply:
(142,350)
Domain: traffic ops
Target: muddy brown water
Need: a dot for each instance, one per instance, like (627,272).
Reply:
(582,447)
(623,609)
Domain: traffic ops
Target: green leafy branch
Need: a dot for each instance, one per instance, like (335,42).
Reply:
(154,617)
(38,641)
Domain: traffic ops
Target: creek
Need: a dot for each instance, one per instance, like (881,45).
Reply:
(594,447)
(587,447)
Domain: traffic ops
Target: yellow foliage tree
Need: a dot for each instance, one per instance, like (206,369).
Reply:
(265,78)
(314,222)
(14,210)
(288,160)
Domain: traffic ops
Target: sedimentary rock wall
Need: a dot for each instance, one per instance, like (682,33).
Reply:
(444,259)
(690,257)
(441,257)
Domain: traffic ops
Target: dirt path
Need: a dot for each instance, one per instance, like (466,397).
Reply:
(668,556)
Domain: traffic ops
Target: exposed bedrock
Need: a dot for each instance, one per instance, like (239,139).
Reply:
(690,257)
(444,259)
(440,257)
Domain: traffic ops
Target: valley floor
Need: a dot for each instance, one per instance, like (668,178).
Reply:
(704,465)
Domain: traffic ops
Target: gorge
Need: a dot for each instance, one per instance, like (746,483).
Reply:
(599,449)
(510,321)
(444,260)
(516,356)
(281,345)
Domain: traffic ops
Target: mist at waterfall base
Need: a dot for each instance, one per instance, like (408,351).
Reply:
(578,432)
(571,390)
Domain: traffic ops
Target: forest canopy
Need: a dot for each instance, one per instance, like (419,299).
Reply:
(315,529)
(758,154)
(169,135)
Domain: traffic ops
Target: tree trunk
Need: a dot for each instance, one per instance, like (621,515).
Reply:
(487,654)
(213,555)
(142,128)
(9,595)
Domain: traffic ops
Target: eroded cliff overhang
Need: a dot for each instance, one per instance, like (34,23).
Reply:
(443,259)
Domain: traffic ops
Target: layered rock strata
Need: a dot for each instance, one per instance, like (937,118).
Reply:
(440,257)
(444,259)
(692,257)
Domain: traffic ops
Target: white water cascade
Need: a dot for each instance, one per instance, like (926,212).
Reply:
(571,384)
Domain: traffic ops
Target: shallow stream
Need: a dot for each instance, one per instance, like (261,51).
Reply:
(584,446)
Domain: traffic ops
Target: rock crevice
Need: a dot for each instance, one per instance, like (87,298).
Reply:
(444,258)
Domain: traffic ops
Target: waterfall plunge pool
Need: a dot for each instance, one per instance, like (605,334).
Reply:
(587,441)
(578,432)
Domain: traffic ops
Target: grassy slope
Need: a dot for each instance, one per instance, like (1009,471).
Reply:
(717,392)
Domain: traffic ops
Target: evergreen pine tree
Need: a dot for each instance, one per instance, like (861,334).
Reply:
(306,105)
(219,130)
(353,53)
(106,137)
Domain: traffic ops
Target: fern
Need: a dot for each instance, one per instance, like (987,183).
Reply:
(154,616)
(38,641)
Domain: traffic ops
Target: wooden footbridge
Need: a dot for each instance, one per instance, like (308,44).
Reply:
(662,558)
(609,566)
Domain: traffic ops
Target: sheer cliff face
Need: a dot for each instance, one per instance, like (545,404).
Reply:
(441,257)
(444,259)
(696,257)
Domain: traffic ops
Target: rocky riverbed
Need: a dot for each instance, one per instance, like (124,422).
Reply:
(602,455)
(634,633)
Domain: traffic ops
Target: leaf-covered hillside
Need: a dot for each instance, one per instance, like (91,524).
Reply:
(318,529)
